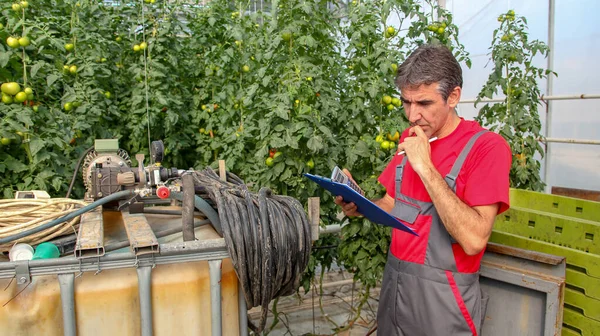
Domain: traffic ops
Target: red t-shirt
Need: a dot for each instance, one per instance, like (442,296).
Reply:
(483,180)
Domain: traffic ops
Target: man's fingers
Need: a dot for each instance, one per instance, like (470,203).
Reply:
(419,131)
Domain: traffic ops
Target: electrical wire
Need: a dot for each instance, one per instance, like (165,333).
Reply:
(77,170)
(267,237)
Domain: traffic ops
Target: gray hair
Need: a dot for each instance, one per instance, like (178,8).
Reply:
(430,64)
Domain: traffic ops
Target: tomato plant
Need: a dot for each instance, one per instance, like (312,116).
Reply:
(516,118)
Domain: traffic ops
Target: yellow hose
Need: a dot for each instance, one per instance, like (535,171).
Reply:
(18,215)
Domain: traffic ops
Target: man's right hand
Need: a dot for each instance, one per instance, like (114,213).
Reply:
(350,208)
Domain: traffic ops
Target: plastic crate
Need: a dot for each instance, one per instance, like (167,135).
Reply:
(571,232)
(577,324)
(561,205)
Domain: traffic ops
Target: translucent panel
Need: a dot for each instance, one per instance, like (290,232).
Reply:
(577,45)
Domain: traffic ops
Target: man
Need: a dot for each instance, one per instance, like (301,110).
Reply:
(449,191)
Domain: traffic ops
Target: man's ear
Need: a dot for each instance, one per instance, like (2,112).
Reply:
(454,97)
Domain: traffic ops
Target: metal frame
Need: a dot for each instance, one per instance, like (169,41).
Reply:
(212,250)
(532,270)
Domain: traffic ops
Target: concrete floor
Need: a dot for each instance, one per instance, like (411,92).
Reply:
(302,315)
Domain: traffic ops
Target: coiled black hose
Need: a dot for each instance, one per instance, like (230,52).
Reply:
(267,236)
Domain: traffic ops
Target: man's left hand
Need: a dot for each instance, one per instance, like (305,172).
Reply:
(417,149)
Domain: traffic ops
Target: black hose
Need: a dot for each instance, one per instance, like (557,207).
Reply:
(77,170)
(187,212)
(69,216)
(267,237)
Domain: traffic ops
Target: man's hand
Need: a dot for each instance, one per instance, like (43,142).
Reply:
(349,209)
(417,149)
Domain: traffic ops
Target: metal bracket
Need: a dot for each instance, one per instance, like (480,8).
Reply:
(22,273)
(140,234)
(90,240)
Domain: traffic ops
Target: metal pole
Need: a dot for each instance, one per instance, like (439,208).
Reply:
(547,156)
(243,309)
(144,288)
(543,97)
(572,141)
(67,298)
(214,268)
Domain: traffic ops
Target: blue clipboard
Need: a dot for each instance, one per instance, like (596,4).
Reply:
(367,208)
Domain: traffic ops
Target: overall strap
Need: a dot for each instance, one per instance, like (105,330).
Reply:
(453,174)
(399,173)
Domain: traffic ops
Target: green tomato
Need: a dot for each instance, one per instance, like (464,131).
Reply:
(16,7)
(396,102)
(68,107)
(69,46)
(386,100)
(390,107)
(107,95)
(136,48)
(28,90)
(143,46)
(379,138)
(269,162)
(24,41)
(73,69)
(13,42)
(310,164)
(10,88)
(21,97)
(245,68)
(6,99)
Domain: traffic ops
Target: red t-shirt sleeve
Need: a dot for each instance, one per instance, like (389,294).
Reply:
(485,176)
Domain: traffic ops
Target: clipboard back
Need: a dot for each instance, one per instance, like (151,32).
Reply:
(367,208)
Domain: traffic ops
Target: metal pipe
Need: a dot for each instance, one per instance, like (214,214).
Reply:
(67,298)
(169,253)
(144,287)
(571,141)
(187,212)
(243,309)
(547,156)
(546,97)
(214,268)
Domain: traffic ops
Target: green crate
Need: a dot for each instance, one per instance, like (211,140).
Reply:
(586,262)
(583,325)
(561,205)
(567,331)
(588,285)
(587,306)
(579,234)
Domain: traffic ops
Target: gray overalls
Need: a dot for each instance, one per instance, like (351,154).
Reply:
(432,298)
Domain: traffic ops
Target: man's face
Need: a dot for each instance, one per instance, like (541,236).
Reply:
(425,107)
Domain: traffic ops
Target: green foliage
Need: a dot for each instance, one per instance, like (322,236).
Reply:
(516,118)
(219,81)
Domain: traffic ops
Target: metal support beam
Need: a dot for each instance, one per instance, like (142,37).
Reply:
(543,98)
(214,267)
(66,282)
(550,66)
(144,287)
(243,309)
(170,254)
